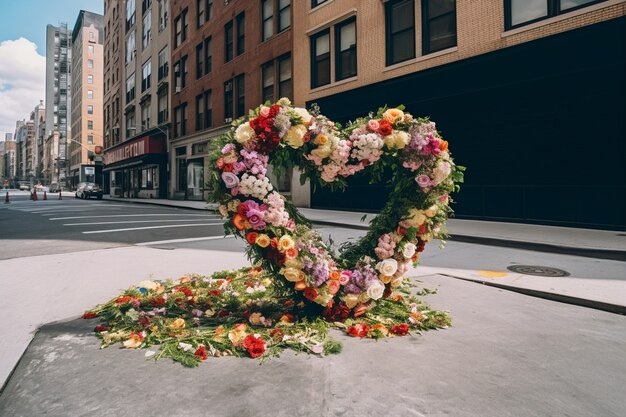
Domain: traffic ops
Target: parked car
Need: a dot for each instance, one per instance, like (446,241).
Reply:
(87,190)
(54,187)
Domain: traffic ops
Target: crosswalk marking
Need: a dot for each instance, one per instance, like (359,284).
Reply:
(191,239)
(133,215)
(133,222)
(151,227)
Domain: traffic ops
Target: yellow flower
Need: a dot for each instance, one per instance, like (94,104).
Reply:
(237,335)
(321,139)
(179,324)
(351,300)
(291,274)
(322,152)
(293,263)
(416,217)
(431,211)
(295,136)
(285,243)
(393,115)
(263,240)
(134,341)
(386,279)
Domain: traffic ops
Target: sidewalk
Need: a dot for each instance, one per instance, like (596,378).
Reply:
(607,295)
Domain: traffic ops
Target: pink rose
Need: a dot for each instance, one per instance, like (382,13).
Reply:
(423,180)
(230,179)
(373,125)
(265,111)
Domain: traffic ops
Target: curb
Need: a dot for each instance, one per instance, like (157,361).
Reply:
(561,298)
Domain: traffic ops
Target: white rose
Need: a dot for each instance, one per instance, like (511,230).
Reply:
(388,266)
(376,290)
(431,211)
(409,250)
(306,117)
(244,133)
(147,284)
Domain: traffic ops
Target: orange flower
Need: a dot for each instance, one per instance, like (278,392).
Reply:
(443,145)
(335,275)
(300,285)
(392,115)
(381,328)
(291,253)
(287,318)
(239,221)
(333,286)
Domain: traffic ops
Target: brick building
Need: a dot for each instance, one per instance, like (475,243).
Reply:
(512,85)
(227,57)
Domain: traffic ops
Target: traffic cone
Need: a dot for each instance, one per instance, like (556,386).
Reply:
(6,198)
(45,196)
(34,195)
(60,195)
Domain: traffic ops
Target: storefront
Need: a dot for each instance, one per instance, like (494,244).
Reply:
(138,168)
(189,170)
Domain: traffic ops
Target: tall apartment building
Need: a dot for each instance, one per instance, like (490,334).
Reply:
(512,85)
(58,96)
(21,133)
(7,161)
(227,57)
(38,116)
(136,97)
(87,97)
(29,150)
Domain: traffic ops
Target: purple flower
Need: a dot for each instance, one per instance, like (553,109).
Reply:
(255,217)
(320,273)
(230,179)
(229,147)
(423,180)
(361,279)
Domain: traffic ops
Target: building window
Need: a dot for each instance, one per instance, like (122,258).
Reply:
(240,90)
(241,33)
(90,49)
(180,24)
(89,79)
(90,94)
(90,63)
(180,120)
(438,25)
(130,88)
(145,115)
(200,7)
(130,47)
(315,3)
(345,49)
(522,12)
(199,112)
(90,109)
(147,30)
(285,86)
(180,73)
(162,115)
(320,59)
(163,64)
(208,55)
(228,41)
(90,139)
(163,7)
(130,124)
(92,37)
(184,19)
(208,109)
(268,18)
(90,124)
(228,101)
(130,14)
(146,75)
(145,4)
(199,56)
(267,74)
(284,14)
(209,9)
(399,30)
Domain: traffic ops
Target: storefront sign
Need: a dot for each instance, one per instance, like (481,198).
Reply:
(133,149)
(90,170)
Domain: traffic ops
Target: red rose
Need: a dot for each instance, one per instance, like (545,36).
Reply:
(337,312)
(400,329)
(144,321)
(277,334)
(385,127)
(358,330)
(421,245)
(274,110)
(201,353)
(158,301)
(90,315)
(401,231)
(360,310)
(254,345)
(242,209)
(228,167)
(423,229)
(184,290)
(215,293)
(125,299)
(251,237)
(310,293)
(99,329)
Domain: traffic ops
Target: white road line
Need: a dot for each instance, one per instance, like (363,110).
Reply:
(191,239)
(133,222)
(151,227)
(133,215)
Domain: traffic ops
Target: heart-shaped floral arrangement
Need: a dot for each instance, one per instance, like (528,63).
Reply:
(282,240)
(298,289)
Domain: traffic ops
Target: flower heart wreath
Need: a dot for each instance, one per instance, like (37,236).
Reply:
(278,303)
(279,237)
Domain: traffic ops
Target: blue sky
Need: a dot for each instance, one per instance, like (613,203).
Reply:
(23,50)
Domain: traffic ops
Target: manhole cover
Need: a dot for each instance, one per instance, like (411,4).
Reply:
(540,271)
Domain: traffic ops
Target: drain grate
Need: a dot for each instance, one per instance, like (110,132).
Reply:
(540,271)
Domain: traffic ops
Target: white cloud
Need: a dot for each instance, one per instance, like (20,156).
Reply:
(22,81)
